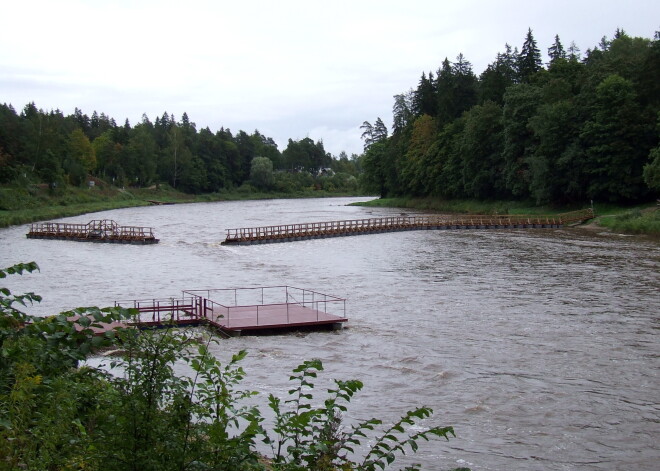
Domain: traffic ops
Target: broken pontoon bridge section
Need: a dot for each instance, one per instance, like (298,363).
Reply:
(99,230)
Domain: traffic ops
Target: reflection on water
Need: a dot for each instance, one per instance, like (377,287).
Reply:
(539,346)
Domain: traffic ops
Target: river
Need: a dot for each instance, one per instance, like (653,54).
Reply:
(539,346)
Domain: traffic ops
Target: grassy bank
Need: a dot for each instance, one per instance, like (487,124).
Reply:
(644,219)
(467,206)
(31,203)
(39,203)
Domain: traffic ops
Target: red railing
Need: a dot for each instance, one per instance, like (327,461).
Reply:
(222,306)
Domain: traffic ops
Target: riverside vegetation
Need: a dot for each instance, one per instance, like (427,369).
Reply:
(581,128)
(135,413)
(21,205)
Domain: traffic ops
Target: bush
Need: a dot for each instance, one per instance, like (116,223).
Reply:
(635,222)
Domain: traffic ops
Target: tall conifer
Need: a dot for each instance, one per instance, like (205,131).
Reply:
(529,59)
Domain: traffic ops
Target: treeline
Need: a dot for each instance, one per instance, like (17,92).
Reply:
(51,148)
(575,129)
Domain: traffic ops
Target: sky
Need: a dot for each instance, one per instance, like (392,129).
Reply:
(290,69)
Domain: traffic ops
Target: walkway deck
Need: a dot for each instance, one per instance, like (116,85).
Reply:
(240,311)
(99,230)
(316,230)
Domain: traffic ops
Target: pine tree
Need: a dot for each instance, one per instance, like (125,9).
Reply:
(573,52)
(425,96)
(529,60)
(402,111)
(556,51)
(380,131)
(465,90)
(445,85)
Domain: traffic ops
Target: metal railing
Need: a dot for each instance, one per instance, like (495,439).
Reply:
(230,303)
(162,310)
(100,229)
(390,224)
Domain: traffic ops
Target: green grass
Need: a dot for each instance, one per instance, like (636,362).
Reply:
(460,206)
(31,203)
(644,219)
(634,221)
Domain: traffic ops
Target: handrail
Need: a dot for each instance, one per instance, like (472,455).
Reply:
(216,308)
(393,223)
(96,230)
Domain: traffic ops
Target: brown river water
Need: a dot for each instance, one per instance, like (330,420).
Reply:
(539,346)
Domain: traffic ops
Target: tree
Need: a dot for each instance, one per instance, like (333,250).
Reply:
(465,85)
(82,150)
(375,169)
(481,148)
(556,166)
(617,142)
(140,154)
(529,59)
(402,111)
(373,133)
(306,155)
(261,173)
(425,100)
(367,134)
(445,96)
(497,77)
(556,51)
(247,151)
(573,52)
(210,150)
(520,104)
(411,171)
(443,163)
(107,154)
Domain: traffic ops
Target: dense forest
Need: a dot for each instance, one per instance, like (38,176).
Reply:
(578,128)
(50,148)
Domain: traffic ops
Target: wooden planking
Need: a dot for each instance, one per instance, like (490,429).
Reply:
(100,230)
(312,230)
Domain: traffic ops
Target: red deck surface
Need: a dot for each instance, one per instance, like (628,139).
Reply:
(270,317)
(235,319)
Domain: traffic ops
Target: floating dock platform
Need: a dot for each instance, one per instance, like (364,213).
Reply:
(319,230)
(100,230)
(241,311)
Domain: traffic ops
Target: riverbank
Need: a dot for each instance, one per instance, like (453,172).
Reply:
(23,205)
(643,219)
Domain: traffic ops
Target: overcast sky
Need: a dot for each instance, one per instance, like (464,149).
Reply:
(291,69)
